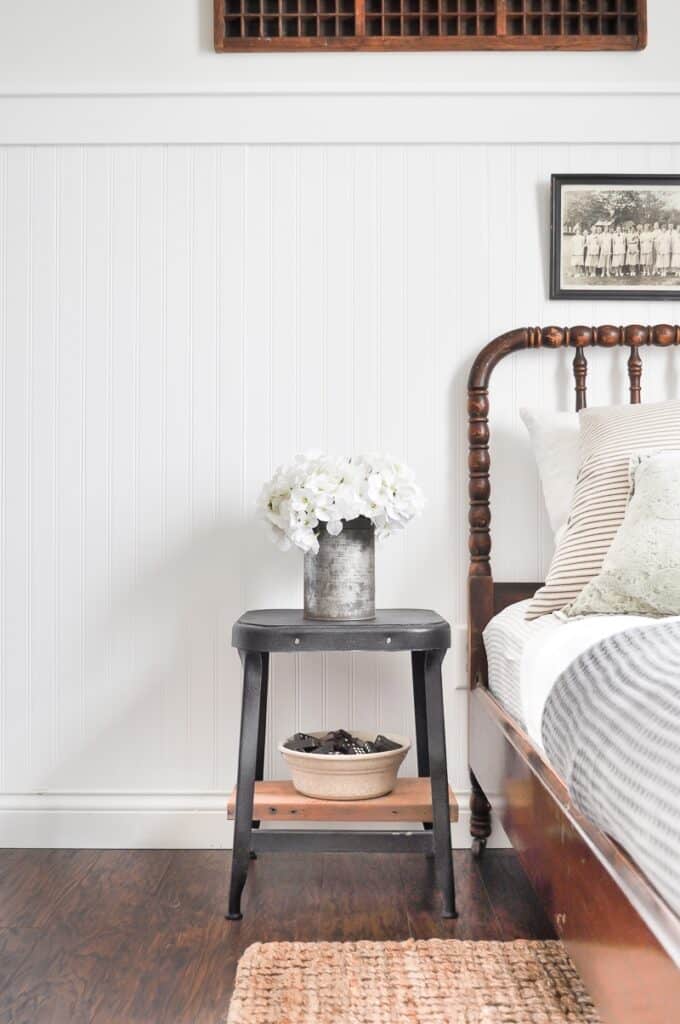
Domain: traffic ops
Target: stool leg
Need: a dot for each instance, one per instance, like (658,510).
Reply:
(254,671)
(262,724)
(420,710)
(439,781)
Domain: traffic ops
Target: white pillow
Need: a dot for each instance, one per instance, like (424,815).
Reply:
(641,571)
(555,440)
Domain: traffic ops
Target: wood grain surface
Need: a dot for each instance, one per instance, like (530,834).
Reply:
(140,936)
(435,24)
(410,801)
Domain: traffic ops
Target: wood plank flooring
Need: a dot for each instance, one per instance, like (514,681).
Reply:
(139,937)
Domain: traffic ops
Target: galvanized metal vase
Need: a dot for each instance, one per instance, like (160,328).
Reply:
(340,579)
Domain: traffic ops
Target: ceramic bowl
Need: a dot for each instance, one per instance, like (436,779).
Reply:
(346,776)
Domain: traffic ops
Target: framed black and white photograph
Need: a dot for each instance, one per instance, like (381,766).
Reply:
(615,236)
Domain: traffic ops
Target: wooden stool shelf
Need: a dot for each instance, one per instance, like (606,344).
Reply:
(409,801)
(426,805)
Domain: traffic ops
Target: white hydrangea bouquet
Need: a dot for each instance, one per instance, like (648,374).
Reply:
(317,491)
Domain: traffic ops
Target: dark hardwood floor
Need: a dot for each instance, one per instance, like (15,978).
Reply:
(139,936)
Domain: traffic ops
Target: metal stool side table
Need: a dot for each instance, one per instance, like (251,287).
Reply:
(427,636)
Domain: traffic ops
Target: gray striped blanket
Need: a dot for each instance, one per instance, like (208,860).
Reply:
(611,728)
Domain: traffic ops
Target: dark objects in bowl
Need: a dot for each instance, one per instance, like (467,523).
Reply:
(339,742)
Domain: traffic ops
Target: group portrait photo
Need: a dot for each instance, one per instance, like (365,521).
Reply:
(617,236)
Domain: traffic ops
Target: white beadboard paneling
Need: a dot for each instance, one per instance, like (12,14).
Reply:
(68,443)
(178,444)
(3,466)
(125,698)
(205,601)
(175,321)
(17,414)
(97,703)
(339,283)
(227,539)
(141,597)
(311,273)
(45,226)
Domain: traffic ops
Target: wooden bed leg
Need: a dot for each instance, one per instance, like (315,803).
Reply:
(480,817)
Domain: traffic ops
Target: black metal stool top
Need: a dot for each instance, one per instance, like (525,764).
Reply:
(279,630)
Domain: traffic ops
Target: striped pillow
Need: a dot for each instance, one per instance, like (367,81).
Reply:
(609,436)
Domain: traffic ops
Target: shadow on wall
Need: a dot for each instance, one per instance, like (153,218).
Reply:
(206,37)
(543,223)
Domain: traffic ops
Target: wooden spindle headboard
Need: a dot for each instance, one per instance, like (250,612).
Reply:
(486,598)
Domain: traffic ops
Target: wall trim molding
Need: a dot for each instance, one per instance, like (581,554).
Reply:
(145,821)
(371,115)
(323,88)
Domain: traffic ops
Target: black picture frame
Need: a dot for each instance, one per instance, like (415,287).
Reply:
(561,183)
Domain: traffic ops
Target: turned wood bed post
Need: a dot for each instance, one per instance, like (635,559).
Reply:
(480,581)
(483,593)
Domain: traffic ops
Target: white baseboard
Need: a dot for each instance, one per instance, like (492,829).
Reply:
(148,821)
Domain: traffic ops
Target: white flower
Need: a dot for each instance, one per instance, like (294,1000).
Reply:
(316,488)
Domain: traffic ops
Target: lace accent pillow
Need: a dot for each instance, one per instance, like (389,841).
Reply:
(641,572)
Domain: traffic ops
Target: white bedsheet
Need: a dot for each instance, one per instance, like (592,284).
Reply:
(525,658)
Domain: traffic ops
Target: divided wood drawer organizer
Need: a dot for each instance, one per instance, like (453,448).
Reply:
(430,24)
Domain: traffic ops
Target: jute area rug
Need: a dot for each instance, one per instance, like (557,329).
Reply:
(433,982)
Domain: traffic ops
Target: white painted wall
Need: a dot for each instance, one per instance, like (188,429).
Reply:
(167,45)
(177,319)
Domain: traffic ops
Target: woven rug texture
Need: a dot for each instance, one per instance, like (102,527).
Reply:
(436,981)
